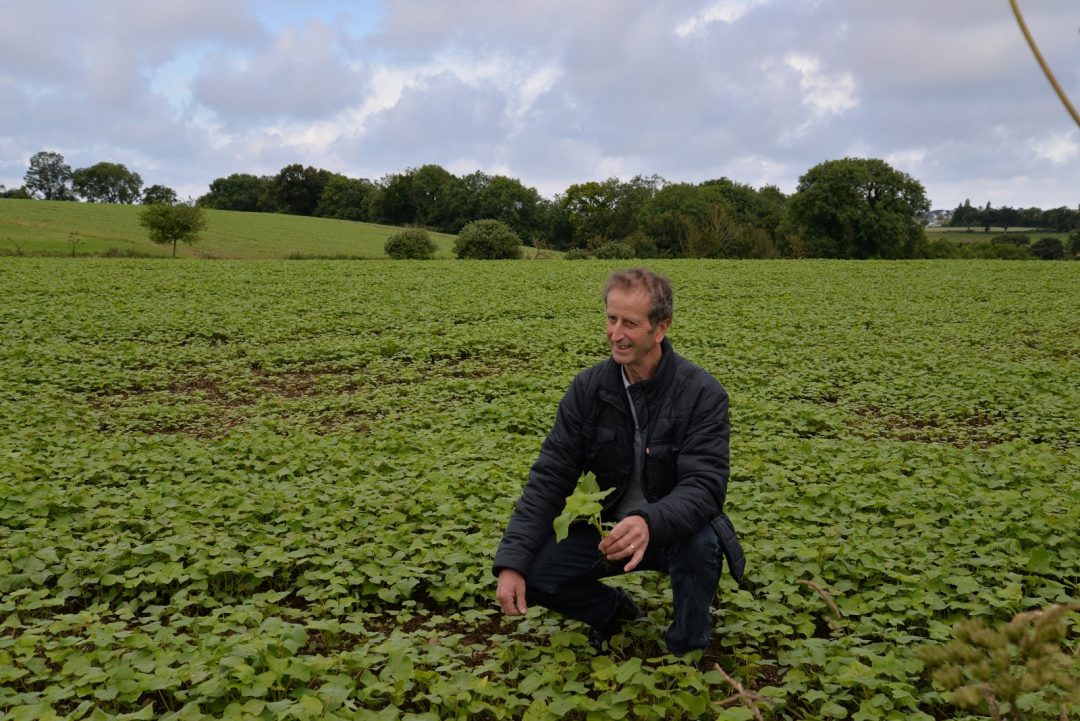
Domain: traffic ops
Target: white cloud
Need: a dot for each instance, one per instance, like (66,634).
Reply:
(1058,149)
(909,160)
(725,11)
(823,93)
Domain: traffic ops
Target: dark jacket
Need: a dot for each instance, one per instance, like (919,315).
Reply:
(683,412)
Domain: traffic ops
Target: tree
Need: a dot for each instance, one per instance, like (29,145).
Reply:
(411,244)
(49,175)
(19,193)
(169,224)
(481,196)
(159,194)
(965,215)
(1007,217)
(345,198)
(239,191)
(1060,219)
(1047,249)
(487,240)
(296,189)
(859,208)
(107,183)
(590,208)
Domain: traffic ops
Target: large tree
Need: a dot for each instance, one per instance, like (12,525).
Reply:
(239,191)
(345,198)
(965,216)
(859,208)
(169,224)
(479,196)
(159,194)
(49,176)
(107,183)
(296,189)
(413,197)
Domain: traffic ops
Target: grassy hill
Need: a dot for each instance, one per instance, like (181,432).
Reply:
(41,227)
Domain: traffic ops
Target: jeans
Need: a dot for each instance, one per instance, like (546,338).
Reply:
(565,577)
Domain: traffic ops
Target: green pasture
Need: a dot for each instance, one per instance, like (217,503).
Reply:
(977,234)
(39,227)
(273,490)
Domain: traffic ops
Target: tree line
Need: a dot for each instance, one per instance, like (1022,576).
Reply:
(847,208)
(968,216)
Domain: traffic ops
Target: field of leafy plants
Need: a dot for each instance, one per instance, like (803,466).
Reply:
(256,490)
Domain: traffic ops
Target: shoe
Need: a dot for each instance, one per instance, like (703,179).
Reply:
(625,610)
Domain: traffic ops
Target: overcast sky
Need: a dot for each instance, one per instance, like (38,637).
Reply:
(551,92)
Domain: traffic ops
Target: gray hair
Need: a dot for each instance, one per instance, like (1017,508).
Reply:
(657,287)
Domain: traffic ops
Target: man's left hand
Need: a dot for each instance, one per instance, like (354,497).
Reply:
(628,539)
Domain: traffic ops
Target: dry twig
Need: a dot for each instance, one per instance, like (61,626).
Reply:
(750,699)
(821,592)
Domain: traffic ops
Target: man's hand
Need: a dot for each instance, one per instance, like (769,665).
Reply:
(628,539)
(511,592)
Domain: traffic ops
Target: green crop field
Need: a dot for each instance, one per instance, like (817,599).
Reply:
(261,489)
(39,227)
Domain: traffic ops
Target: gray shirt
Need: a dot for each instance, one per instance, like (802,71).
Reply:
(634,496)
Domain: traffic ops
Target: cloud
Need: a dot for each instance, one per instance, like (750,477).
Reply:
(1058,149)
(910,160)
(552,92)
(825,94)
(725,11)
(300,74)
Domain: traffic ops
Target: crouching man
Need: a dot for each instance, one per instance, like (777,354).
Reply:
(654,427)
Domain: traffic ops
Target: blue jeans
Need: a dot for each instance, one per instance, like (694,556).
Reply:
(565,577)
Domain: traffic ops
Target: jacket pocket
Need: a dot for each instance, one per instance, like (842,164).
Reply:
(604,456)
(660,459)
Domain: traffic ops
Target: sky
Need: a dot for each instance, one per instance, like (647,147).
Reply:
(551,92)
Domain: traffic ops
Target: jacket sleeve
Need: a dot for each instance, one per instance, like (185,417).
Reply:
(551,479)
(701,472)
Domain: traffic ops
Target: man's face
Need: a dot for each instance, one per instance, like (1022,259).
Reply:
(632,339)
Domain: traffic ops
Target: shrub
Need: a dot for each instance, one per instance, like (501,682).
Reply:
(644,246)
(1074,242)
(614,250)
(945,248)
(487,240)
(1013,238)
(577,254)
(1048,249)
(412,244)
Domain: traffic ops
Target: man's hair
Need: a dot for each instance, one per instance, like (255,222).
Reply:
(657,287)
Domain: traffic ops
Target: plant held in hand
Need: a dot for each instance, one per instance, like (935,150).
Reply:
(584,503)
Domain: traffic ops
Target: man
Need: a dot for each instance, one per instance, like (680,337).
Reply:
(654,427)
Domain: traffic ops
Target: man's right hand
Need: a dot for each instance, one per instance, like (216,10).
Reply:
(511,592)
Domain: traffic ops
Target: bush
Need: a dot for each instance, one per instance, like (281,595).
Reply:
(577,254)
(1074,242)
(1048,249)
(412,244)
(487,240)
(1013,238)
(945,248)
(644,246)
(614,250)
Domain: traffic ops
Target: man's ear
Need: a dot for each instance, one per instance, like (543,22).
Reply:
(662,329)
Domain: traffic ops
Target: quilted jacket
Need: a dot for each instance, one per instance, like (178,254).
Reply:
(683,412)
